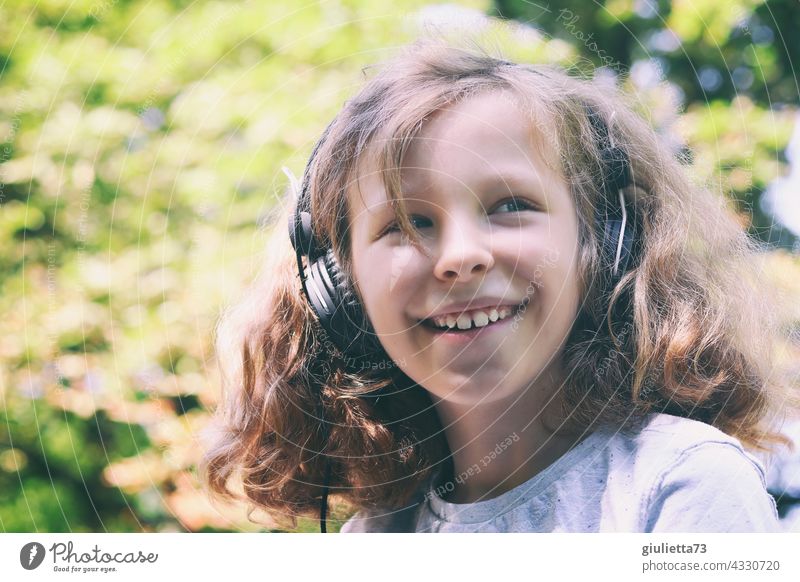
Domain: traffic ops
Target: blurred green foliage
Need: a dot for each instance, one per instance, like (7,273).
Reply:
(140,151)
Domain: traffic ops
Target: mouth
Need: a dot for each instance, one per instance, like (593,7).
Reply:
(473,329)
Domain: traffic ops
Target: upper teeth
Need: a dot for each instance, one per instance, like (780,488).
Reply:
(479,317)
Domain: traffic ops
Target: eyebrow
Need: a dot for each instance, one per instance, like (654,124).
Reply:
(511,181)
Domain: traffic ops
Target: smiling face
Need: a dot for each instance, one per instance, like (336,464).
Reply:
(498,227)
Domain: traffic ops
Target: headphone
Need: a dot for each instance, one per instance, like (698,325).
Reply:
(612,213)
(341,314)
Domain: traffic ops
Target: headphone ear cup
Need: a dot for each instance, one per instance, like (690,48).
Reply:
(340,312)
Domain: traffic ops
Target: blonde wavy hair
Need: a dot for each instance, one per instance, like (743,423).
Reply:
(690,329)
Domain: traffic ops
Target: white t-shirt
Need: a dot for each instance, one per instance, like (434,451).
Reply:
(674,475)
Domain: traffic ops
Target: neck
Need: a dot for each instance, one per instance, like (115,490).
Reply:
(500,444)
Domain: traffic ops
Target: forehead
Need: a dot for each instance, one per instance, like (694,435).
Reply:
(488,138)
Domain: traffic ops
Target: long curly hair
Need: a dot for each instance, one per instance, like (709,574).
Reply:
(690,330)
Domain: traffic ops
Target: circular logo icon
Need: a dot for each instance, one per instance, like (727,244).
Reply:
(31,555)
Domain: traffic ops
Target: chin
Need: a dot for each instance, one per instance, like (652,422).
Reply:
(469,388)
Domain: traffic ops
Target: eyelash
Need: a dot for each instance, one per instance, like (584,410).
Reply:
(520,202)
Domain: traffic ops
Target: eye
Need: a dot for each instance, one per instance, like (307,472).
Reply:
(420,222)
(517,205)
(416,221)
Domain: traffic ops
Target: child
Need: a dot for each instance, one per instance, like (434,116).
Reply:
(505,309)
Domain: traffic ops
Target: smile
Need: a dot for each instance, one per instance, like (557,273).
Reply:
(473,323)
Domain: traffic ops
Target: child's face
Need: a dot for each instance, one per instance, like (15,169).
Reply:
(457,179)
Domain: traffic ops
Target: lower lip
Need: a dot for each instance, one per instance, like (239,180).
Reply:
(476,332)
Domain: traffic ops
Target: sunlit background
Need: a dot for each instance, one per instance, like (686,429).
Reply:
(141,145)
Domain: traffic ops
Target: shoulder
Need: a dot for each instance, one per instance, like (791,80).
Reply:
(664,439)
(382,521)
(683,432)
(702,479)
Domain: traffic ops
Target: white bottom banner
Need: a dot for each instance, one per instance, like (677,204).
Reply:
(354,557)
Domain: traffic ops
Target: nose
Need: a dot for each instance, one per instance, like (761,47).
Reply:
(464,253)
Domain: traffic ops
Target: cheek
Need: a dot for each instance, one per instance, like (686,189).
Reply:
(386,279)
(558,282)
(568,296)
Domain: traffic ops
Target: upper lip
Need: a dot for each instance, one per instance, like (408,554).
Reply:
(459,307)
